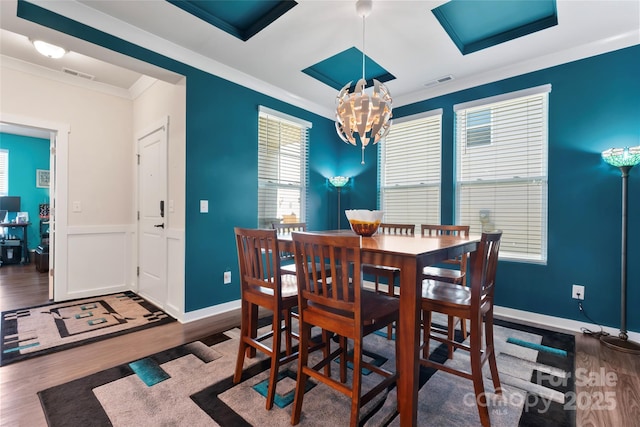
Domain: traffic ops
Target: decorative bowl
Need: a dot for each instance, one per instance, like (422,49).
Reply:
(363,221)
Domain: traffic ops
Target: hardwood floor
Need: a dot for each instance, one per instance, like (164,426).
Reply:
(605,378)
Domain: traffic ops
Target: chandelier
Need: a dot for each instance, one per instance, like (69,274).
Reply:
(359,115)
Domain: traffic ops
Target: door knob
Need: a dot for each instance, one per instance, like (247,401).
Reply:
(159,225)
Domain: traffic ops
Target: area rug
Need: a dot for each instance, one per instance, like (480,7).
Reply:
(191,385)
(43,329)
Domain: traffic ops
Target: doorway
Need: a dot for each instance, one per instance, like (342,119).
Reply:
(57,133)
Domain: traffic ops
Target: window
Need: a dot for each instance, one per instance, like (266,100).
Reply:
(283,144)
(409,170)
(4,172)
(501,170)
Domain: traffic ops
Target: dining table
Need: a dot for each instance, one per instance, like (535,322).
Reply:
(410,254)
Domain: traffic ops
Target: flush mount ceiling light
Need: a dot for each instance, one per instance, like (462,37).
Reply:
(359,115)
(48,49)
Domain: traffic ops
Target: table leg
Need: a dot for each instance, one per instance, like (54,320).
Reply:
(409,344)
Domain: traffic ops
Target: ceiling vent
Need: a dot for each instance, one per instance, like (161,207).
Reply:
(439,81)
(78,74)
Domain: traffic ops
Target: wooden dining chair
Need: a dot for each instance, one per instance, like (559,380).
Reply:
(262,284)
(286,258)
(455,274)
(340,304)
(452,270)
(389,274)
(475,303)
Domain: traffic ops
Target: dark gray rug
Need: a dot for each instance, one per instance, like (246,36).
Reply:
(43,329)
(191,385)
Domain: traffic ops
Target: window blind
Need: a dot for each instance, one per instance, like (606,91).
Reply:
(4,172)
(282,168)
(501,159)
(409,170)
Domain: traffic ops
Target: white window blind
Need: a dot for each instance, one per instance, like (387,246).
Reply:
(502,171)
(4,172)
(409,170)
(283,144)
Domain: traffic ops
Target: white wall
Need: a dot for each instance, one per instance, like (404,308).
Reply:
(95,248)
(159,101)
(99,142)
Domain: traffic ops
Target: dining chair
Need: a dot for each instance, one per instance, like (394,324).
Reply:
(287,257)
(456,274)
(338,303)
(474,302)
(284,229)
(262,284)
(387,273)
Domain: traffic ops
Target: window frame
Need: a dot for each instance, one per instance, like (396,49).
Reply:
(531,244)
(433,180)
(4,175)
(282,180)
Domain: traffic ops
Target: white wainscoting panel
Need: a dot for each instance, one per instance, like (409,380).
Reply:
(175,273)
(98,260)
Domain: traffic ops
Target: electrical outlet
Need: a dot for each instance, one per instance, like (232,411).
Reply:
(577,292)
(227,277)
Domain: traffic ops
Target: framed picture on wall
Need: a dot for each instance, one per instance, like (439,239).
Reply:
(42,178)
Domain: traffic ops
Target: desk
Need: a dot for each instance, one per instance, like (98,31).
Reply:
(410,254)
(25,248)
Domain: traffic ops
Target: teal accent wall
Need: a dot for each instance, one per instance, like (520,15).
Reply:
(26,154)
(594,104)
(222,167)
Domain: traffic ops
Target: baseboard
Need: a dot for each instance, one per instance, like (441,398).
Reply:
(553,323)
(191,316)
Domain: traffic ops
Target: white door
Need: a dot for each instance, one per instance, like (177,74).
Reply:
(152,196)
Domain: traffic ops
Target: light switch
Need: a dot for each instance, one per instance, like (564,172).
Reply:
(171,206)
(77,206)
(204,206)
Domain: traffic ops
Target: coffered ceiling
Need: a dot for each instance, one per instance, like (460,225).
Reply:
(409,42)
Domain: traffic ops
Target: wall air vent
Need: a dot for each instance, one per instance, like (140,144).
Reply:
(438,81)
(78,74)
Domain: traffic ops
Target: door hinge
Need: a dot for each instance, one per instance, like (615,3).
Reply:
(138,155)
(137,271)
(138,215)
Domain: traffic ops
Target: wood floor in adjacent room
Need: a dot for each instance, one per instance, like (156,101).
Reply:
(22,286)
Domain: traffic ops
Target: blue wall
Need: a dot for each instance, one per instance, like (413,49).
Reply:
(27,154)
(594,104)
(222,167)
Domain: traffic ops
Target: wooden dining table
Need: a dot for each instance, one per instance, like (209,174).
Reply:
(410,254)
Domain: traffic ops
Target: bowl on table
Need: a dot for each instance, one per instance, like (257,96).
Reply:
(363,221)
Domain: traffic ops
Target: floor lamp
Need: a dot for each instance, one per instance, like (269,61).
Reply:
(624,159)
(339,182)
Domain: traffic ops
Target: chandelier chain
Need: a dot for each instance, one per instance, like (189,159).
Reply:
(363,45)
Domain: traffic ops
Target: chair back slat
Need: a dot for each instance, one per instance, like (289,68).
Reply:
(258,259)
(483,266)
(397,229)
(286,229)
(337,287)
(444,230)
